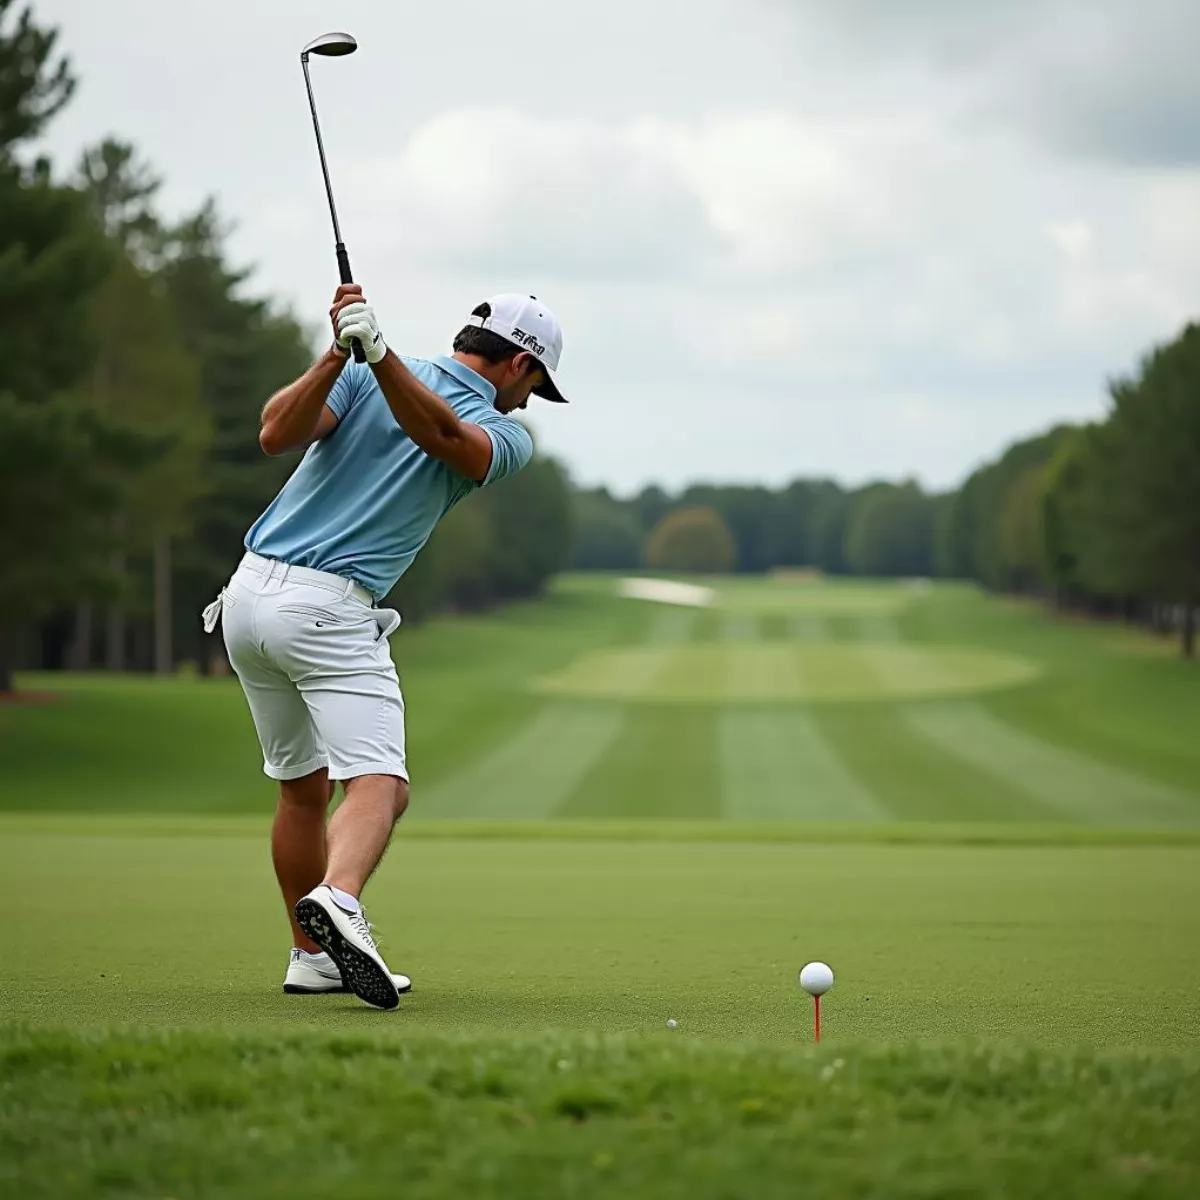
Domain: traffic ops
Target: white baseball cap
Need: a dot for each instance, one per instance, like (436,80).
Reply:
(528,323)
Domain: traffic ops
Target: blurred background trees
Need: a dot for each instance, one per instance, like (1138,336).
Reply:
(693,539)
(135,358)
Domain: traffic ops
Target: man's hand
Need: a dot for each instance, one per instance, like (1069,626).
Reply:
(353,317)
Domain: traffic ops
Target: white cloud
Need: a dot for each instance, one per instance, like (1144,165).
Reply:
(496,189)
(852,239)
(1072,238)
(924,281)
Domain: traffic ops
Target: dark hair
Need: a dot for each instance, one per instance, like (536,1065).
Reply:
(490,346)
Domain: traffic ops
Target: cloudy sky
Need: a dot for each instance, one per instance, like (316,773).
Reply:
(860,239)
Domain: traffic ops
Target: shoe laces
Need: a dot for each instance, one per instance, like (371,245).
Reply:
(363,926)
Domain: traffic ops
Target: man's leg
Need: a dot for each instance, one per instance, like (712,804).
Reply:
(336,651)
(298,843)
(360,830)
(292,754)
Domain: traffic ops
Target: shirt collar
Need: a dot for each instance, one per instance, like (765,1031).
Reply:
(467,377)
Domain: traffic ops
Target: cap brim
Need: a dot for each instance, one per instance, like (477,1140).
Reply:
(549,389)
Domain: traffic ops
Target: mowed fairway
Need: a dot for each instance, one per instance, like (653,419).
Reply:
(780,701)
(986,820)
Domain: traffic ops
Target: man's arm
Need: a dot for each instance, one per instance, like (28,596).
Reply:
(297,414)
(431,422)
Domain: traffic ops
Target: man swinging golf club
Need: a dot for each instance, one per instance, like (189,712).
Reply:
(391,445)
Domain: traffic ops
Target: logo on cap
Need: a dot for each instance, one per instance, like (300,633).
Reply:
(528,341)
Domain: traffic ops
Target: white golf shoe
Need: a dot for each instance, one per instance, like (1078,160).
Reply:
(316,974)
(346,937)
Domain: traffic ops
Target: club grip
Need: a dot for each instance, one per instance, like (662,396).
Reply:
(343,261)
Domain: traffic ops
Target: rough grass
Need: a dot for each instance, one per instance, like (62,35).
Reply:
(220,1116)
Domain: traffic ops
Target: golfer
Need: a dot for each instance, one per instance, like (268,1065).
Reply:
(391,445)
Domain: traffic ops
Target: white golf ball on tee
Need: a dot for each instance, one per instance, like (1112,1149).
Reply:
(816,978)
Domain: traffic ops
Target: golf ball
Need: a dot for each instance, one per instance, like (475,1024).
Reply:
(671,1023)
(816,978)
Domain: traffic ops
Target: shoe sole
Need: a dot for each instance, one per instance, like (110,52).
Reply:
(294,990)
(361,974)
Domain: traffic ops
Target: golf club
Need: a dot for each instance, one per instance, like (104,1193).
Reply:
(331,45)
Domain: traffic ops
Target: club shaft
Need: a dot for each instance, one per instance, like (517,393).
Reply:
(343,259)
(312,104)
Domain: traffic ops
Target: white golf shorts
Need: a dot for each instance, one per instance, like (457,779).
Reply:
(311,652)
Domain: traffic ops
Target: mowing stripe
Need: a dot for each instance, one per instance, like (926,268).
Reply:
(808,626)
(878,627)
(1079,787)
(913,778)
(739,627)
(742,672)
(706,625)
(672,627)
(631,675)
(531,773)
(841,627)
(773,627)
(662,764)
(661,761)
(775,765)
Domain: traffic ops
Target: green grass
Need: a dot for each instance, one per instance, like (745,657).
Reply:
(787,701)
(218,1115)
(739,670)
(1059,945)
(1003,872)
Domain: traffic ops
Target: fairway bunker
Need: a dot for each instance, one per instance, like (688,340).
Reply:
(785,672)
(666,591)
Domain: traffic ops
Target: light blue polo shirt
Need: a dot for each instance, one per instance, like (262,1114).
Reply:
(365,498)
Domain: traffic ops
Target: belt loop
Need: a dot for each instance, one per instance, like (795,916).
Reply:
(349,589)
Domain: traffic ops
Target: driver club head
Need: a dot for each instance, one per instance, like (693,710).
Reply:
(331,45)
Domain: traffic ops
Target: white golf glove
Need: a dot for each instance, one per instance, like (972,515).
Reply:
(358,321)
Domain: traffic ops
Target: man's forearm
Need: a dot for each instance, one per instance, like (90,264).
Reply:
(289,418)
(421,413)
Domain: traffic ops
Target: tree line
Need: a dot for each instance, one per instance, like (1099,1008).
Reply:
(134,362)
(135,359)
(1102,518)
(883,529)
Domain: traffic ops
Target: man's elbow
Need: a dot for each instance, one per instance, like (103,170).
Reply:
(270,442)
(464,454)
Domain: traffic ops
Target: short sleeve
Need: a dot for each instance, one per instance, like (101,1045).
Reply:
(348,389)
(512,447)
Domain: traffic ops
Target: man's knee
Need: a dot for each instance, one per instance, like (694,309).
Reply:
(309,791)
(375,786)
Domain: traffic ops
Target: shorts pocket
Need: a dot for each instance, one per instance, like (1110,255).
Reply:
(387,621)
(322,617)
